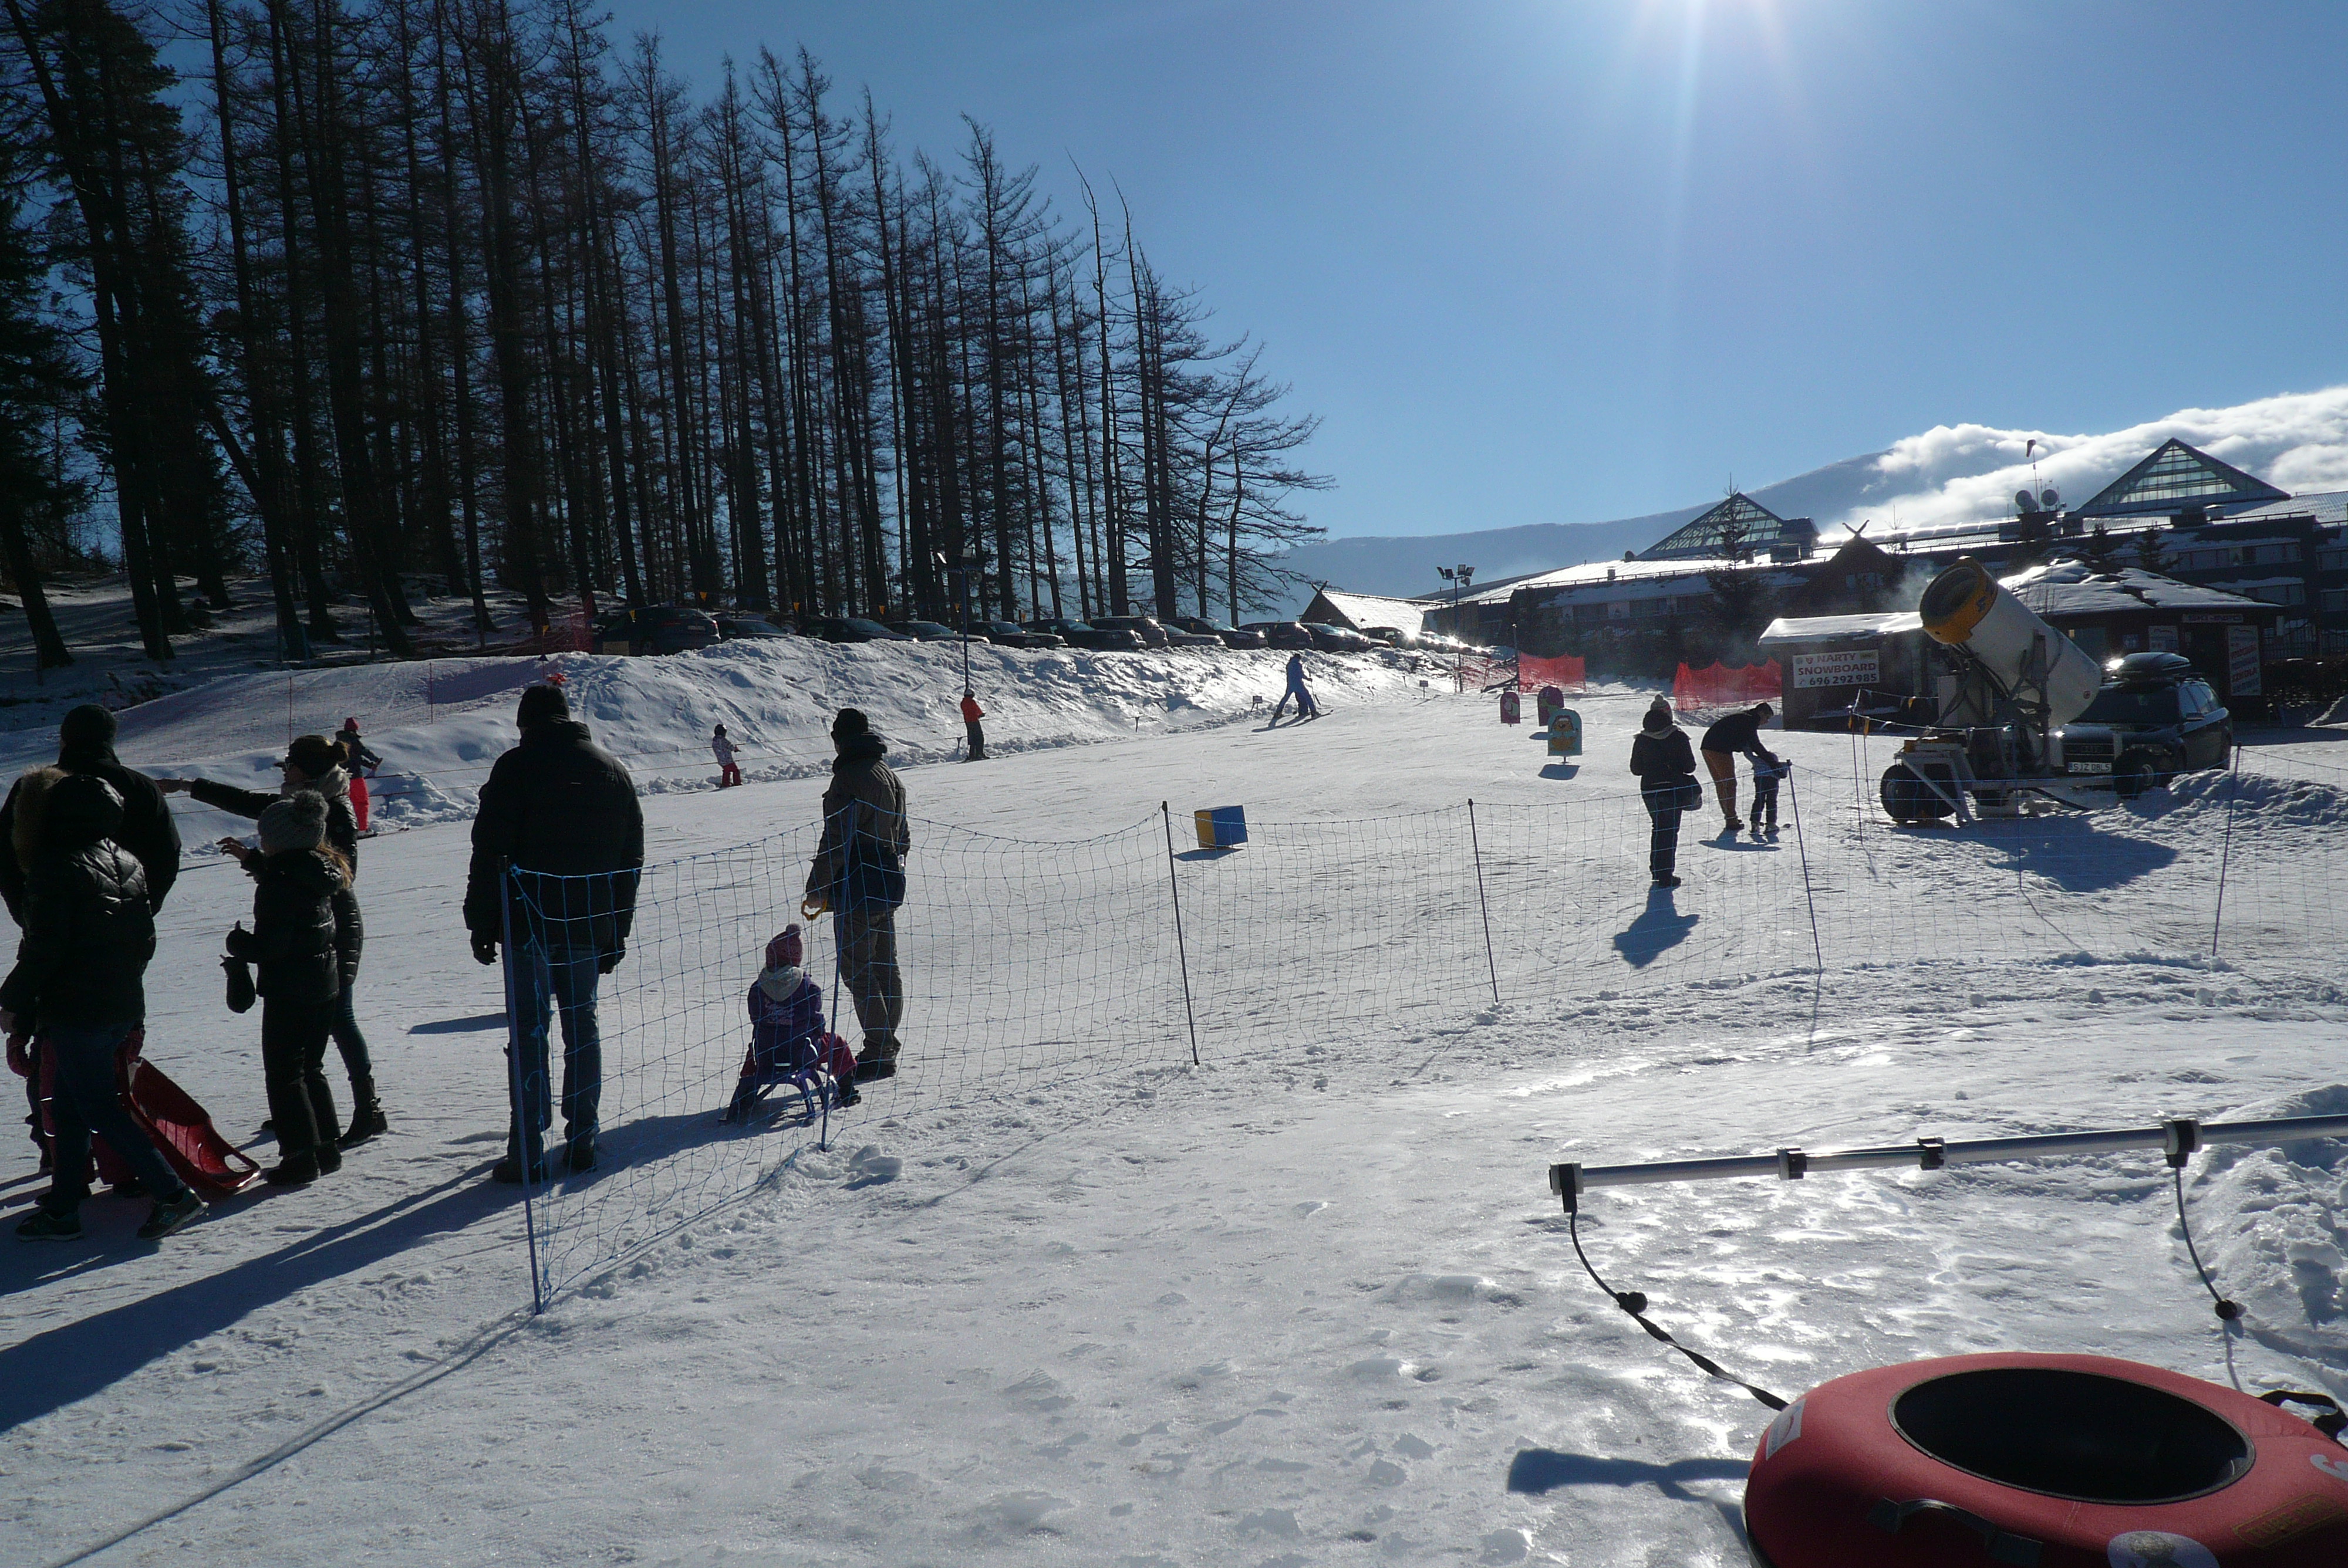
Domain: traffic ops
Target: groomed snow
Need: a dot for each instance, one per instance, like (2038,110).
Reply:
(1309,1302)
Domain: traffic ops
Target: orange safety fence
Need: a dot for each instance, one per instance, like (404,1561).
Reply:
(1479,673)
(1717,686)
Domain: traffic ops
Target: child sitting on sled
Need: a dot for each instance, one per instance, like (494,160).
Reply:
(788,1044)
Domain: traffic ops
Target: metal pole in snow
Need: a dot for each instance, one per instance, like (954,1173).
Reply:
(2225,858)
(509,889)
(1189,1016)
(2181,1136)
(1477,848)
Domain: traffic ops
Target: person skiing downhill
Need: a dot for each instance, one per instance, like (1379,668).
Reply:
(360,763)
(722,749)
(1306,708)
(971,715)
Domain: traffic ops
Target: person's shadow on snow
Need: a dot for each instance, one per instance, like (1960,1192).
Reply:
(1659,929)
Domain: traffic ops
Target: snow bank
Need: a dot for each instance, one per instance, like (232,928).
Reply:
(2278,1214)
(448,719)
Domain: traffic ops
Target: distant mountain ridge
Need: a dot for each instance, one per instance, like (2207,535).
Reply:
(1405,568)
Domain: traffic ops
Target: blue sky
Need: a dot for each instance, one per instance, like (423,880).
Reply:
(1585,259)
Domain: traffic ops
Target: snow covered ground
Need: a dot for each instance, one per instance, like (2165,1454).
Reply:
(1308,1302)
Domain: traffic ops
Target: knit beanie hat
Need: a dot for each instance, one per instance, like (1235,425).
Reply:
(786,950)
(296,822)
(848,724)
(87,725)
(315,754)
(1658,719)
(540,703)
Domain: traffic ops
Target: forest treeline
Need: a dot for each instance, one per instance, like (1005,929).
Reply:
(467,292)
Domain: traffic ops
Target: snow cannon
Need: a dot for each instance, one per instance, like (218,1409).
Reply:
(2063,1461)
(2013,681)
(1965,607)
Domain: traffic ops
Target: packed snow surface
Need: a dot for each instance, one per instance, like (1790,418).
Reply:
(1306,1302)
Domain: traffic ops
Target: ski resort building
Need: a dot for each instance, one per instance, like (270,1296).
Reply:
(1368,613)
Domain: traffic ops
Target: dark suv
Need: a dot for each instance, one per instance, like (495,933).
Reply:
(658,629)
(1010,634)
(1282,635)
(2153,718)
(1152,635)
(1228,635)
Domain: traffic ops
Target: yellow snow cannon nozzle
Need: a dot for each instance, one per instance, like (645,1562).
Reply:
(1955,601)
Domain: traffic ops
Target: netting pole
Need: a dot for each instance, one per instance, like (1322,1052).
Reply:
(1190,1014)
(2234,796)
(507,895)
(1817,947)
(1475,847)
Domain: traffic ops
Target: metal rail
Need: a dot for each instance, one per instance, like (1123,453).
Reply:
(2177,1139)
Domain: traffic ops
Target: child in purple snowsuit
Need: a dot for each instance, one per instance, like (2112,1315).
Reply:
(787,1032)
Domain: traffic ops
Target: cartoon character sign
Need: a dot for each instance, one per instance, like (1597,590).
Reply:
(2157,1549)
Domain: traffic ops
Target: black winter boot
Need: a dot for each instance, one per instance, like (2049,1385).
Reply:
(367,1116)
(293,1171)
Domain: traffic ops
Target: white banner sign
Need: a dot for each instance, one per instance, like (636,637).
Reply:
(1851,667)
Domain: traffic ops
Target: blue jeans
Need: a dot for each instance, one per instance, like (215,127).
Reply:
(349,1041)
(567,973)
(87,1102)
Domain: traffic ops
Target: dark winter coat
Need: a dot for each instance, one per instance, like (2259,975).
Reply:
(147,831)
(1737,733)
(294,939)
(560,804)
(861,861)
(89,930)
(785,1017)
(342,822)
(360,754)
(1665,764)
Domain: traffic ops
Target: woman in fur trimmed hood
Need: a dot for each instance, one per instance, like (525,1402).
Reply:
(314,762)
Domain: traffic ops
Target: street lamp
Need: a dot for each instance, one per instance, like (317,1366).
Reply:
(1458,576)
(959,580)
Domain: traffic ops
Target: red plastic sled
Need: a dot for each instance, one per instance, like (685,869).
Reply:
(168,1114)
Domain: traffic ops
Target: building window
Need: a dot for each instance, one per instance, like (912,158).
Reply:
(2279,593)
(2335,601)
(2274,555)
(2333,557)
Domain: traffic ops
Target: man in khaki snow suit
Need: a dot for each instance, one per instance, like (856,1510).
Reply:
(859,875)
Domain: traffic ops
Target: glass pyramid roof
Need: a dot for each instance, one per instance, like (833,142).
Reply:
(1705,536)
(2177,477)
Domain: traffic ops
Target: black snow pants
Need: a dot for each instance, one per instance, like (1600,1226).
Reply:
(292,1058)
(1664,842)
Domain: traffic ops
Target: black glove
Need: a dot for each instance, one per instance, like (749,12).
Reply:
(485,949)
(241,943)
(609,961)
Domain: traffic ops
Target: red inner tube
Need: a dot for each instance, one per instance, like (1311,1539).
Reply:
(2057,1462)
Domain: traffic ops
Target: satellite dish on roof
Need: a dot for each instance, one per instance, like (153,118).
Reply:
(2048,498)
(2022,500)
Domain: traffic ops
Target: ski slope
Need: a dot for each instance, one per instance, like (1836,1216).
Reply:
(1306,1303)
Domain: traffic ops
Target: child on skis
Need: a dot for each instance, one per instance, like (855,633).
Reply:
(971,715)
(787,1032)
(722,749)
(1768,767)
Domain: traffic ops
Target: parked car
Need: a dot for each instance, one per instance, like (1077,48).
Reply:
(2154,717)
(1390,635)
(1230,636)
(854,629)
(1338,639)
(655,628)
(1152,635)
(924,630)
(1010,634)
(1283,634)
(734,627)
(1081,634)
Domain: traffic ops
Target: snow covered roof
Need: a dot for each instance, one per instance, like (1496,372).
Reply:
(1629,578)
(1360,610)
(2072,588)
(1827,627)
(2329,507)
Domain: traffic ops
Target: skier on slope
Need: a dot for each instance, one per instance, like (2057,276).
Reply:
(971,715)
(722,749)
(1738,733)
(360,763)
(1306,708)
(1666,771)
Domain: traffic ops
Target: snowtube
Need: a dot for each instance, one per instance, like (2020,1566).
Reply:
(2042,1461)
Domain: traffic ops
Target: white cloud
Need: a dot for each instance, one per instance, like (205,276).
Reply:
(1966,473)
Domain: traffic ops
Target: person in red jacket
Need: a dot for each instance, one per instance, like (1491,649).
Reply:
(971,715)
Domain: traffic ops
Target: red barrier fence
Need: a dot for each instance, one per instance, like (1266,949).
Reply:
(1478,673)
(1716,686)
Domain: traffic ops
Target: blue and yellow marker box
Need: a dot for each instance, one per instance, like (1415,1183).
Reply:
(1222,827)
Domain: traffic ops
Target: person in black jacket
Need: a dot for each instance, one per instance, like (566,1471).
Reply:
(1738,733)
(78,985)
(295,874)
(1666,771)
(86,745)
(860,876)
(314,762)
(558,846)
